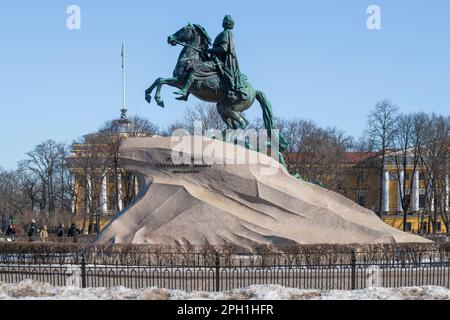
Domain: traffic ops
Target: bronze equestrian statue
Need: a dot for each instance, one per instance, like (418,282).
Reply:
(213,75)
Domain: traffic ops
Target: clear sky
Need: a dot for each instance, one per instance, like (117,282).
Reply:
(314,59)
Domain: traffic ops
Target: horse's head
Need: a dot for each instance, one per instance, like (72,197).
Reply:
(189,34)
(185,34)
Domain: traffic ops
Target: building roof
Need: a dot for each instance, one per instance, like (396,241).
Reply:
(355,157)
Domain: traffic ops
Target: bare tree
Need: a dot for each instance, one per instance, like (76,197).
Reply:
(408,140)
(363,144)
(88,167)
(381,129)
(46,162)
(315,154)
(206,114)
(435,159)
(13,199)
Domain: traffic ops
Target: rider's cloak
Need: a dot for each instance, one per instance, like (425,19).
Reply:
(224,49)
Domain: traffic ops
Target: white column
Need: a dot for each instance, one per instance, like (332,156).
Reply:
(103,195)
(446,193)
(88,193)
(401,178)
(432,202)
(119,187)
(385,193)
(431,180)
(415,192)
(73,186)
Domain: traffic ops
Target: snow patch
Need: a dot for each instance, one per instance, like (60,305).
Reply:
(33,290)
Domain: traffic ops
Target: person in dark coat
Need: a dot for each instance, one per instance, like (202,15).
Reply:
(11,231)
(32,229)
(60,231)
(73,232)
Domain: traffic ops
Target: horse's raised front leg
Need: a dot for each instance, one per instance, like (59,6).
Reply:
(158,84)
(148,92)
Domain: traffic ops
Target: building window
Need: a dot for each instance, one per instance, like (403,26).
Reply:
(360,176)
(110,179)
(421,176)
(438,226)
(392,176)
(408,226)
(406,176)
(422,199)
(424,228)
(112,201)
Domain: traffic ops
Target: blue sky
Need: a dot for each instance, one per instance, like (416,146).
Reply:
(313,59)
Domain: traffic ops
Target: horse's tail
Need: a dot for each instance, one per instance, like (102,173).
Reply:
(269,121)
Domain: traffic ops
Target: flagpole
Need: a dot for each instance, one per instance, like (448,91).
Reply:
(124,105)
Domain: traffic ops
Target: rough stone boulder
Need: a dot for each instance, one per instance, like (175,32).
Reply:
(227,196)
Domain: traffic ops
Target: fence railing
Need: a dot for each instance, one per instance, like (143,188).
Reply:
(212,271)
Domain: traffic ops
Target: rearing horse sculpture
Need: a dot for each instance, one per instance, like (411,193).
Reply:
(213,88)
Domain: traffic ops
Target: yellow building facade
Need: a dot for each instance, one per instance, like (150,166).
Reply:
(101,188)
(363,186)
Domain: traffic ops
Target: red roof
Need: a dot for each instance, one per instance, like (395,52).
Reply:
(355,157)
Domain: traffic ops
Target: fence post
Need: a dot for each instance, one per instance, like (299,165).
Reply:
(83,270)
(353,265)
(217,267)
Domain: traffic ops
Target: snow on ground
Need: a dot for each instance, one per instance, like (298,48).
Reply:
(32,290)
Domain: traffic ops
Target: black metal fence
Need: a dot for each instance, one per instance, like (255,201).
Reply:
(221,272)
